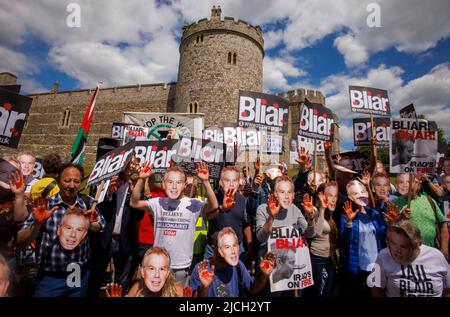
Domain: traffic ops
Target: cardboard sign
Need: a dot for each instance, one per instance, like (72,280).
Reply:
(293,270)
(118,130)
(369,100)
(190,151)
(157,152)
(413,146)
(111,164)
(272,144)
(258,110)
(362,131)
(13,113)
(408,112)
(316,121)
(186,124)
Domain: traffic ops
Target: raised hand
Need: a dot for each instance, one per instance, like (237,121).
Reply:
(365,178)
(323,200)
(257,165)
(268,263)
(274,205)
(257,182)
(327,145)
(115,290)
(40,211)
(228,199)
(392,215)
(307,205)
(146,170)
(203,171)
(17,182)
(92,215)
(304,159)
(349,211)
(206,277)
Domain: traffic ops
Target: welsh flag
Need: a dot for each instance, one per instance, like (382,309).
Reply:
(79,145)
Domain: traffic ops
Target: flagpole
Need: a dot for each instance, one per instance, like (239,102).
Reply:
(79,144)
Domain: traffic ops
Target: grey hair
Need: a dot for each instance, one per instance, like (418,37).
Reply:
(224,231)
(409,230)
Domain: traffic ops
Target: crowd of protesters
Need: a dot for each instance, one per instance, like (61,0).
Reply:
(367,236)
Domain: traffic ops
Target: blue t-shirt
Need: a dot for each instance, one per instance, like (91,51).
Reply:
(225,283)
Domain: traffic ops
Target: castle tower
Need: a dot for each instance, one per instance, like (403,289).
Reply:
(7,78)
(217,59)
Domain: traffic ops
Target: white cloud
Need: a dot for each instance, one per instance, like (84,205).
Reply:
(354,53)
(16,63)
(278,70)
(272,39)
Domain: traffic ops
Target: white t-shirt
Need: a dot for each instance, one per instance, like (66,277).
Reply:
(426,276)
(174,227)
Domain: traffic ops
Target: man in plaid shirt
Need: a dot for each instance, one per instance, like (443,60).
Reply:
(42,225)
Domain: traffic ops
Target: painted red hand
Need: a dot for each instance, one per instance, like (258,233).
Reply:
(40,211)
(308,206)
(304,159)
(327,144)
(274,206)
(202,171)
(349,210)
(228,201)
(268,263)
(323,200)
(206,277)
(115,290)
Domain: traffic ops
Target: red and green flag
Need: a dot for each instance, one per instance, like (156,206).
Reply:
(79,145)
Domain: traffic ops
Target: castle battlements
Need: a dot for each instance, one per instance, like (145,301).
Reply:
(228,24)
(300,94)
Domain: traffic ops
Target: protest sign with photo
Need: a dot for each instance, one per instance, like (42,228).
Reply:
(135,133)
(157,152)
(369,100)
(258,110)
(413,146)
(118,130)
(293,269)
(189,151)
(408,112)
(111,163)
(362,131)
(13,113)
(272,144)
(316,121)
(159,123)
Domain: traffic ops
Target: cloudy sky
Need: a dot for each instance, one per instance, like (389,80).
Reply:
(313,44)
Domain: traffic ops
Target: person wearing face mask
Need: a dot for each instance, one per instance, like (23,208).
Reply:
(281,212)
(407,268)
(225,275)
(176,215)
(157,280)
(233,213)
(425,213)
(42,225)
(362,236)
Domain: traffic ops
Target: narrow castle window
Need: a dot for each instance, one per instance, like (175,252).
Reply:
(190,108)
(198,39)
(201,38)
(229,57)
(66,118)
(195,107)
(234,58)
